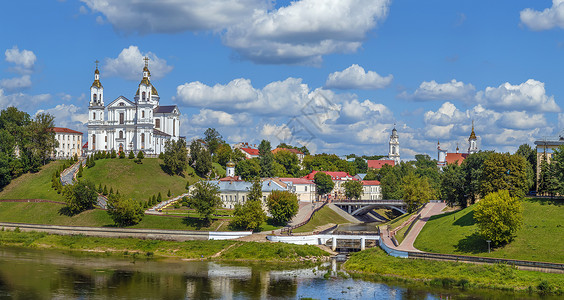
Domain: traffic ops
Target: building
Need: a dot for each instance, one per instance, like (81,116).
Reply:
(125,125)
(394,150)
(70,143)
(303,188)
(338,178)
(444,158)
(234,192)
(545,149)
(250,152)
(378,164)
(371,190)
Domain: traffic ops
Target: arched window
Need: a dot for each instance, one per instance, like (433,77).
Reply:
(143,97)
(142,140)
(142,114)
(94,97)
(93,116)
(121,134)
(173,127)
(99,97)
(93,141)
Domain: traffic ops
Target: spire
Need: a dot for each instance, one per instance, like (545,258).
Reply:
(96,82)
(457,148)
(472,135)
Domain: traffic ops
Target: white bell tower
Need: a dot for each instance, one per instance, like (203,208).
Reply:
(472,141)
(95,112)
(394,152)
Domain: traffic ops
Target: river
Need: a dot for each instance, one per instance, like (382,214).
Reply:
(49,274)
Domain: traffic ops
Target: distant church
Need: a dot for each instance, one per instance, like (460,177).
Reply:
(125,125)
(445,158)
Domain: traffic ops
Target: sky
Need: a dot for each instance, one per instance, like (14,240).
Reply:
(333,75)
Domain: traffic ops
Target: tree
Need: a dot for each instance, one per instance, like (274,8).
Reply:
(391,181)
(42,136)
(472,168)
(504,172)
(266,159)
(80,196)
(530,155)
(323,183)
(105,192)
(175,157)
(250,215)
(361,165)
(80,169)
(203,163)
(353,189)
(122,154)
(131,155)
(452,185)
(416,191)
(213,139)
(204,198)
(283,206)
(289,161)
(557,184)
(248,168)
(113,155)
(499,216)
(124,211)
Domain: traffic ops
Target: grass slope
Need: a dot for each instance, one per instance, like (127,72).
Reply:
(541,237)
(377,263)
(324,216)
(34,185)
(219,170)
(138,181)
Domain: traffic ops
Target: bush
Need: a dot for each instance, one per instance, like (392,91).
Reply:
(113,155)
(131,155)
(80,196)
(283,206)
(105,192)
(124,212)
(122,155)
(499,216)
(140,155)
(168,194)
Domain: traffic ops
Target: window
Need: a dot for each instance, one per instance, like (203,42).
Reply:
(142,140)
(142,114)
(173,128)
(121,118)
(93,116)
(106,139)
(143,97)
(306,188)
(158,123)
(93,141)
(121,134)
(94,98)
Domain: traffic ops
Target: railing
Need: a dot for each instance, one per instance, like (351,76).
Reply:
(369,201)
(290,228)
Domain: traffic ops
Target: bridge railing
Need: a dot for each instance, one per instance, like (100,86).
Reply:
(369,201)
(289,229)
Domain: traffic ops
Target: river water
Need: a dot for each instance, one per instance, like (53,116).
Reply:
(48,274)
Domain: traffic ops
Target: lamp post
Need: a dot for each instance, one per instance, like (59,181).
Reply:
(488,241)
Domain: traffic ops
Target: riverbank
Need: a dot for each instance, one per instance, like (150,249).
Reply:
(376,264)
(227,250)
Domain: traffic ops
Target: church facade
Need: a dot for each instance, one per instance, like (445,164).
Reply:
(124,125)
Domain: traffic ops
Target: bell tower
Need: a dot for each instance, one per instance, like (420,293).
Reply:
(472,141)
(95,112)
(394,153)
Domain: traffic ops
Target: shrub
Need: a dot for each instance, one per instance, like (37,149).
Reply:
(131,155)
(159,198)
(113,155)
(105,192)
(122,155)
(140,155)
(124,212)
(168,194)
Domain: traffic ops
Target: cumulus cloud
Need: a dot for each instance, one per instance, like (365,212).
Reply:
(521,120)
(431,90)
(304,31)
(23,58)
(21,100)
(445,115)
(69,116)
(355,77)
(529,95)
(172,16)
(16,83)
(208,117)
(546,19)
(354,111)
(129,65)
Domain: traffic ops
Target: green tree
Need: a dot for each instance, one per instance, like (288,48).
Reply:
(131,155)
(223,154)
(472,168)
(323,183)
(416,191)
(353,189)
(283,206)
(391,181)
(175,157)
(105,192)
(499,216)
(248,168)
(557,171)
(5,176)
(159,198)
(124,211)
(530,155)
(213,139)
(452,185)
(113,155)
(266,159)
(43,141)
(80,169)
(203,164)
(504,172)
(80,196)
(204,198)
(122,154)
(289,161)
(250,215)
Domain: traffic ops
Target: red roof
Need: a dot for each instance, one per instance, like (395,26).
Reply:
(295,151)
(334,175)
(64,130)
(370,182)
(231,178)
(296,180)
(455,158)
(251,151)
(378,164)
(85,146)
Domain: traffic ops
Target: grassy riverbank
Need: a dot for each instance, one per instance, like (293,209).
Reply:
(216,250)
(323,217)
(541,237)
(34,185)
(375,263)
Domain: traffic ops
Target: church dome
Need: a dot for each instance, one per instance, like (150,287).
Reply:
(230,164)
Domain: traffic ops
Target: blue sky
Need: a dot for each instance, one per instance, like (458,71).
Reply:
(335,75)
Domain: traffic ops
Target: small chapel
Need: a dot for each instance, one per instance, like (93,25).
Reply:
(124,125)
(445,158)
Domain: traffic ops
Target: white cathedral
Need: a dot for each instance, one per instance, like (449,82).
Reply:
(139,125)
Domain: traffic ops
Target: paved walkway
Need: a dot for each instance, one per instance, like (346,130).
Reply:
(306,209)
(343,214)
(67,177)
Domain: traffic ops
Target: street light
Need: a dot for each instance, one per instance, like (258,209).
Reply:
(488,241)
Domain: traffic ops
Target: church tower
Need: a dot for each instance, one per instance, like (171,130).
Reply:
(394,153)
(95,112)
(230,169)
(473,142)
(147,93)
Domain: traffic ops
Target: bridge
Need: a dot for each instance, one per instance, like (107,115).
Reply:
(323,239)
(360,207)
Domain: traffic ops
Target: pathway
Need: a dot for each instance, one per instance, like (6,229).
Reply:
(68,176)
(155,210)
(343,213)
(306,209)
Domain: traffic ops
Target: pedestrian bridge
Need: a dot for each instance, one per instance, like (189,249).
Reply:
(360,207)
(322,239)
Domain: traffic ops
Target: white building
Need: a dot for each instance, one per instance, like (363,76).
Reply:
(394,151)
(371,190)
(303,188)
(124,125)
(234,192)
(70,143)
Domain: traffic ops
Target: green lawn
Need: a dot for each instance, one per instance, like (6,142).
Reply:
(375,262)
(138,181)
(271,251)
(540,239)
(219,170)
(34,185)
(324,216)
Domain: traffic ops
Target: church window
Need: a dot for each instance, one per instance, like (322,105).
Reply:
(94,116)
(173,128)
(94,97)
(158,123)
(121,134)
(93,141)
(142,140)
(143,96)
(121,118)
(305,188)
(106,139)
(142,114)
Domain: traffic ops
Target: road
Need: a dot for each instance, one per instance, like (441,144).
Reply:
(67,177)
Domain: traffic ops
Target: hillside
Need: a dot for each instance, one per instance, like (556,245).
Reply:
(33,185)
(541,237)
(138,181)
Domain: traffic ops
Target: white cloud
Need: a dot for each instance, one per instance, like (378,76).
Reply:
(304,31)
(529,95)
(546,19)
(354,111)
(560,121)
(24,58)
(445,115)
(214,118)
(521,120)
(170,16)
(129,65)
(235,92)
(431,90)
(68,116)
(354,77)
(16,83)
(22,101)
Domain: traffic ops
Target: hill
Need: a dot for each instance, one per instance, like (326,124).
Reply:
(34,185)
(541,237)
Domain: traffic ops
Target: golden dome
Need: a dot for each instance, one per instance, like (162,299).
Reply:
(472,135)
(96,72)
(230,164)
(96,83)
(154,90)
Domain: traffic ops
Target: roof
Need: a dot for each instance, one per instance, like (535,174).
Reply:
(85,146)
(370,182)
(158,132)
(334,175)
(378,164)
(455,158)
(164,109)
(295,151)
(251,151)
(296,180)
(268,185)
(65,130)
(231,178)
(360,176)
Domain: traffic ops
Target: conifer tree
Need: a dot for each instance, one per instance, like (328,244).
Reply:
(159,198)
(105,192)
(131,155)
